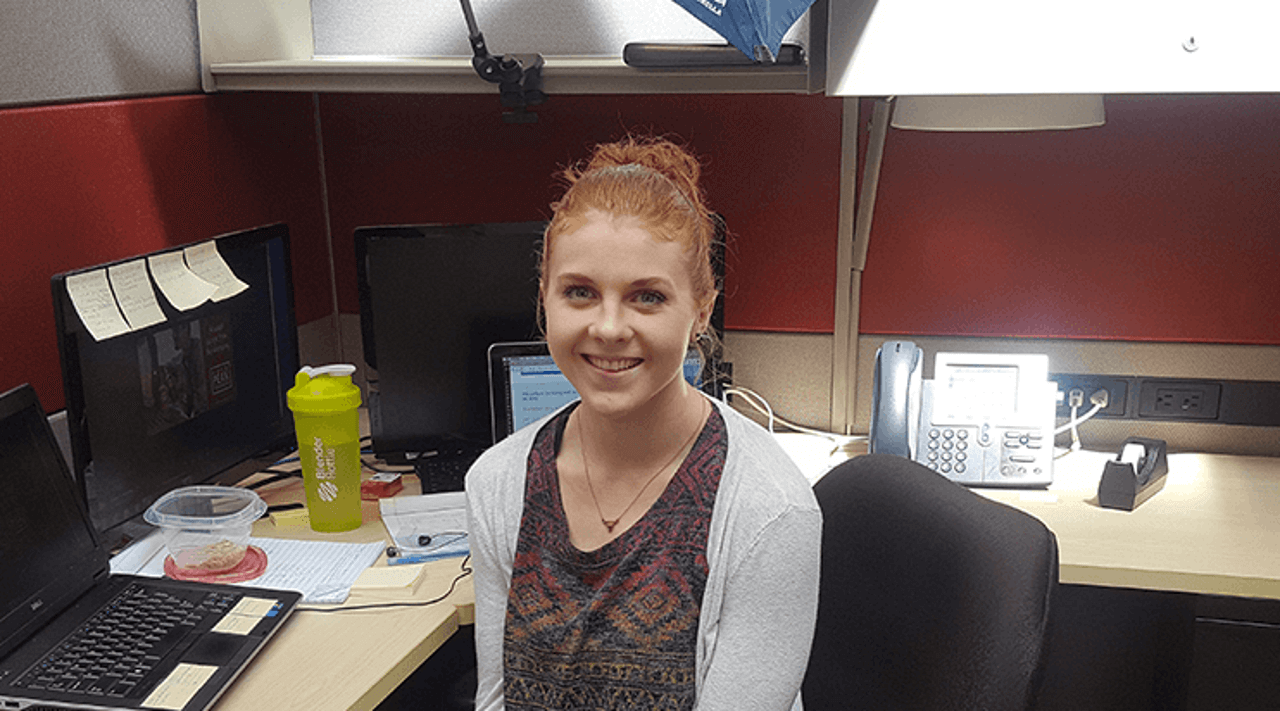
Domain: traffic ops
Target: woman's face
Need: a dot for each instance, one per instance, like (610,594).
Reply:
(620,313)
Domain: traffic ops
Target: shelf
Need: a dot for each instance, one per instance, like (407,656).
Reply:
(454,75)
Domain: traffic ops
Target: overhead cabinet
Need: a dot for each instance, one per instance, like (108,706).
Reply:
(943,47)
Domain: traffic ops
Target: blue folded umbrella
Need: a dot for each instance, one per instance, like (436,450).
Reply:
(749,24)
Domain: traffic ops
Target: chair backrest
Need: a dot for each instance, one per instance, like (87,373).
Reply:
(931,596)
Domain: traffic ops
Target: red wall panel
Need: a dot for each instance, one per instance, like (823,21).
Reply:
(771,167)
(83,184)
(1164,224)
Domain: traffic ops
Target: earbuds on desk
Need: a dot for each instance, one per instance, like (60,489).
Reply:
(424,540)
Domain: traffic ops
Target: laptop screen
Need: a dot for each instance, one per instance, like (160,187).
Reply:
(44,532)
(526,384)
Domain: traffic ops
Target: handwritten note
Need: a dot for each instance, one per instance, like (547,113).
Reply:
(323,571)
(182,684)
(179,284)
(91,295)
(203,260)
(134,294)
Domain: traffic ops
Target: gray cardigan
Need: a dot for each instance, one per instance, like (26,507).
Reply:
(761,596)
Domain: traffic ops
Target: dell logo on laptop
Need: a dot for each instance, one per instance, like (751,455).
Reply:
(37,604)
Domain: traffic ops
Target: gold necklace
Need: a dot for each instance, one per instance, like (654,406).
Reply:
(586,471)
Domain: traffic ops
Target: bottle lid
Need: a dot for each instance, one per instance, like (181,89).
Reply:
(324,390)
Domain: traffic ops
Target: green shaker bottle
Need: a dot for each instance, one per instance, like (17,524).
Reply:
(324,402)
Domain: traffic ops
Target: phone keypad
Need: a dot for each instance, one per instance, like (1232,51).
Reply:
(1012,454)
(948,450)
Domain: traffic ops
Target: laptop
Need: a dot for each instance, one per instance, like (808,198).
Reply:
(73,636)
(525,384)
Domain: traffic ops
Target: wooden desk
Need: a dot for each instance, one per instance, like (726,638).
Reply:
(1173,604)
(1213,529)
(350,660)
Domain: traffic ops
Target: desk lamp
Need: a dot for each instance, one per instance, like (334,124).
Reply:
(1012,112)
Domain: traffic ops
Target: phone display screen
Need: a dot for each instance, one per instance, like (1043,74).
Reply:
(980,390)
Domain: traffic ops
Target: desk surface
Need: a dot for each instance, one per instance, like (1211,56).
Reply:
(1214,528)
(350,660)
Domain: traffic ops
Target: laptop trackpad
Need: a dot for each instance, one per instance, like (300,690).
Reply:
(214,649)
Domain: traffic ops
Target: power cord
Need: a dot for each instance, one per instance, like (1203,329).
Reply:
(761,405)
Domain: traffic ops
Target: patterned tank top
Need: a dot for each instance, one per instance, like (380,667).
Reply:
(617,627)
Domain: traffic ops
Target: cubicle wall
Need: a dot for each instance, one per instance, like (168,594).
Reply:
(84,49)
(87,183)
(1159,227)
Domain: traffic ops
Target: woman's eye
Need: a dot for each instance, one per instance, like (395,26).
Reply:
(651,298)
(577,292)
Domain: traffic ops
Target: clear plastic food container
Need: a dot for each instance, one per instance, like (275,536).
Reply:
(206,528)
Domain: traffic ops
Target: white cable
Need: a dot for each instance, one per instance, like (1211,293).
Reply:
(757,401)
(754,400)
(1075,422)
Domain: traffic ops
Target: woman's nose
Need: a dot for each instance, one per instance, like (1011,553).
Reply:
(609,323)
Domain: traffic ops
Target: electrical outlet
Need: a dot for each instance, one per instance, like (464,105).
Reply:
(1179,399)
(1117,393)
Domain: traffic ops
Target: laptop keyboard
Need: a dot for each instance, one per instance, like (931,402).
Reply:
(116,648)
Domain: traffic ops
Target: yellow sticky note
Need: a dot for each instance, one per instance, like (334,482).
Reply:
(242,618)
(293,517)
(182,684)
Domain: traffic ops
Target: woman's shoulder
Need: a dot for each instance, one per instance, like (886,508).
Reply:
(758,468)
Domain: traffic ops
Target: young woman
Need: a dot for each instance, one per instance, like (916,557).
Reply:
(645,547)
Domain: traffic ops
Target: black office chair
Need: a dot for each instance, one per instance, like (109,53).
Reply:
(931,596)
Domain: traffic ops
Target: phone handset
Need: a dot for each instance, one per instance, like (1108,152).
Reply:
(895,398)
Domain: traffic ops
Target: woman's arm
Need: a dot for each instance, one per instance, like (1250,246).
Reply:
(761,646)
(491,583)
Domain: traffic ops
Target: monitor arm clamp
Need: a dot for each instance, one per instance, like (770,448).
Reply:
(519,77)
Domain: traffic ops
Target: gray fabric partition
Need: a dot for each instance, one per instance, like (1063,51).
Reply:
(54,51)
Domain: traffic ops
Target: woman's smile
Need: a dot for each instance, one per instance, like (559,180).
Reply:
(613,365)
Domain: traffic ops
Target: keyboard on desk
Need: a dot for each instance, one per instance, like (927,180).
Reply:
(115,649)
(446,473)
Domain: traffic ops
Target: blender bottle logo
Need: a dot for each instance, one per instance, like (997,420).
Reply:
(326,487)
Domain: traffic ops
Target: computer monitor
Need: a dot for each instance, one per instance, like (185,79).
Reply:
(196,398)
(433,299)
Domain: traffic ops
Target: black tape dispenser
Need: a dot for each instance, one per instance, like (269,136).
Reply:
(1136,473)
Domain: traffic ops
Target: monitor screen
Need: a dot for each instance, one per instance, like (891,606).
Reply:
(433,298)
(198,396)
(525,384)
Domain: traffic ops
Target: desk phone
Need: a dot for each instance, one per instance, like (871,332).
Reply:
(986,419)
